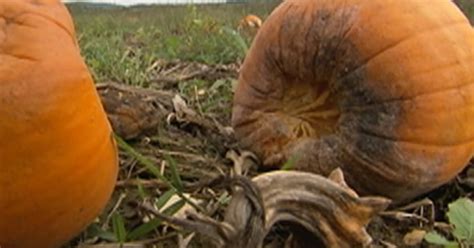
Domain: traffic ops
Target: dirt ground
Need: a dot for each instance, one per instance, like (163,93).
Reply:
(167,124)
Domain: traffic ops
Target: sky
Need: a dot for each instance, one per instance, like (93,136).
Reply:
(132,2)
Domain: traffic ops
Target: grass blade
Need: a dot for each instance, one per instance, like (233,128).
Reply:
(174,208)
(118,226)
(175,177)
(165,198)
(144,229)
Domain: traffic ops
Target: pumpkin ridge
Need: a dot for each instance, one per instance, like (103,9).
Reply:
(260,92)
(363,162)
(278,60)
(396,43)
(403,99)
(19,57)
(346,27)
(247,122)
(36,8)
(365,175)
(399,140)
(447,65)
(48,18)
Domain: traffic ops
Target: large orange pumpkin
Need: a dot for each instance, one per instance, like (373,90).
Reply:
(58,159)
(383,89)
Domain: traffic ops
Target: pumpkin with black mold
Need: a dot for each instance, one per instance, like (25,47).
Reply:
(58,158)
(383,89)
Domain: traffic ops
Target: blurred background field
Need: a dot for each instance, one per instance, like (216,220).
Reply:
(122,43)
(467,6)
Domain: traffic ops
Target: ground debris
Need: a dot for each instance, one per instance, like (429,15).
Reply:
(162,123)
(167,74)
(414,237)
(133,111)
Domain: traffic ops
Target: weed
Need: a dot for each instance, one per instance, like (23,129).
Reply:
(461,217)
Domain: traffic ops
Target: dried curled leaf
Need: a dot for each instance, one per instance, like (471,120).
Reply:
(312,206)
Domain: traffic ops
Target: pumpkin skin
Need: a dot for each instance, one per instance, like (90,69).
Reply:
(58,158)
(383,89)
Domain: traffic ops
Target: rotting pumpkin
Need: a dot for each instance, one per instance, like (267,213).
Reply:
(58,158)
(383,89)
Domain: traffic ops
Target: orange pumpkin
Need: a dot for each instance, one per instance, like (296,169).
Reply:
(58,159)
(250,21)
(383,89)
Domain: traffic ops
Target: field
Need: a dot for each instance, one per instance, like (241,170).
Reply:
(193,52)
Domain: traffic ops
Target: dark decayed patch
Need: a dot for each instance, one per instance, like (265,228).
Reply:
(327,56)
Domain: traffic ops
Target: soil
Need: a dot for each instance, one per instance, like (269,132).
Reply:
(168,127)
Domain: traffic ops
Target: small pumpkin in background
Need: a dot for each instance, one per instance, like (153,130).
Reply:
(250,21)
(383,89)
(58,158)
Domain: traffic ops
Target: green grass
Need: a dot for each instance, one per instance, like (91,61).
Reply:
(122,44)
(467,6)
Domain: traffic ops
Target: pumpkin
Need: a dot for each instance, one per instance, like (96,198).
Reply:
(58,159)
(250,21)
(383,89)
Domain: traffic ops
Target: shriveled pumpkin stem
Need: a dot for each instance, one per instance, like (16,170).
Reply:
(326,208)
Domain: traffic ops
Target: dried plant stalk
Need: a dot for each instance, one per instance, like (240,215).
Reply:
(325,208)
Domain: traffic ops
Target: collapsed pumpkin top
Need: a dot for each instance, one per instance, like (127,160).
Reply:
(34,29)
